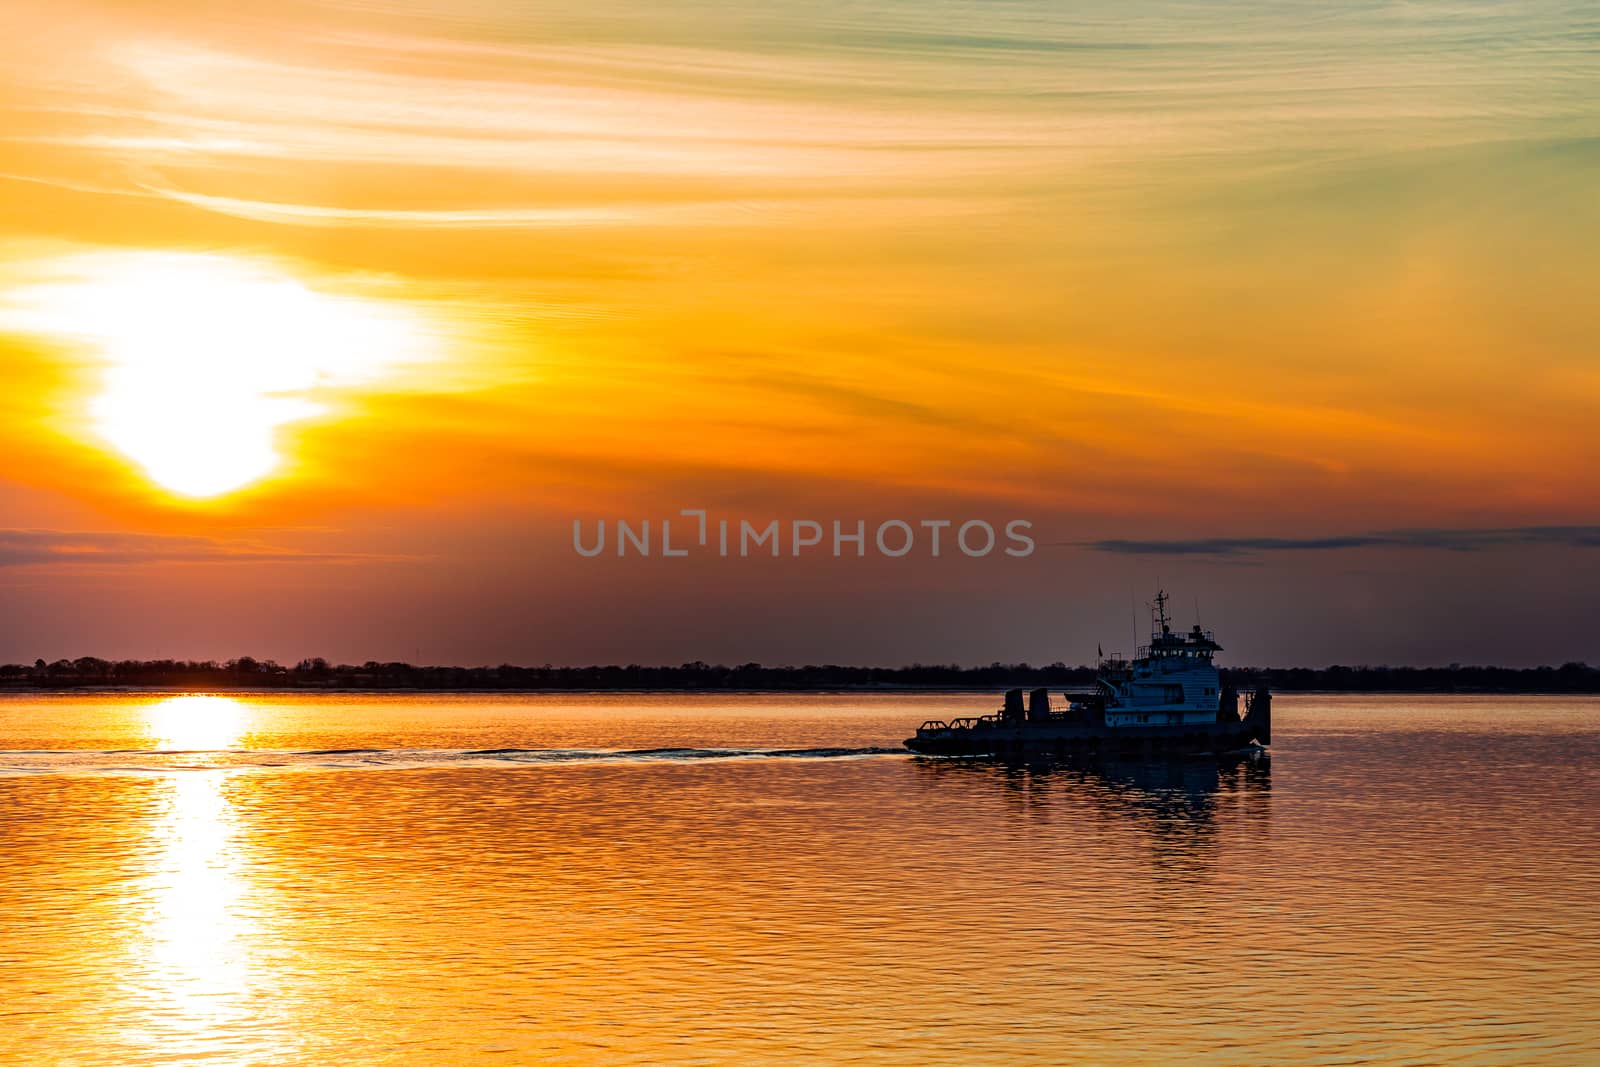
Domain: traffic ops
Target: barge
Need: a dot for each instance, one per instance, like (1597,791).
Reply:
(1169,699)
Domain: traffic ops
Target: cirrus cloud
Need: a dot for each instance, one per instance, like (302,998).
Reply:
(1462,540)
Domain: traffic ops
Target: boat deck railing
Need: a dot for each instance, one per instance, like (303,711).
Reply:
(975,722)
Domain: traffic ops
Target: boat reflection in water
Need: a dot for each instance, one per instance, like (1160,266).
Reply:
(1182,803)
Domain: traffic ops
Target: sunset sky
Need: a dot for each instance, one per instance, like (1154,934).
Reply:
(321,324)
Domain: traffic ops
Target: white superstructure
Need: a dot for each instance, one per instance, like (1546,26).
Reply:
(1171,682)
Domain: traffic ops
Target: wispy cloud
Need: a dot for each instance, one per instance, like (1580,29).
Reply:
(21,548)
(320,215)
(201,102)
(1437,539)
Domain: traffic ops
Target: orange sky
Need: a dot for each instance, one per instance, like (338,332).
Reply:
(371,300)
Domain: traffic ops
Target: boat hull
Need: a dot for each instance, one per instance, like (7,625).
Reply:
(1027,739)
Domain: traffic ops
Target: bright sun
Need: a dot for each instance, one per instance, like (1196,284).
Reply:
(207,355)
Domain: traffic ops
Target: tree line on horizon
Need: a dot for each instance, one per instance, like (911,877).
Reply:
(317,673)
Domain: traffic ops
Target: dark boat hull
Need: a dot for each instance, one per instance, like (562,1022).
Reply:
(1027,739)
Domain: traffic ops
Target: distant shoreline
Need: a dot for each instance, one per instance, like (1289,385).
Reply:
(883,690)
(316,675)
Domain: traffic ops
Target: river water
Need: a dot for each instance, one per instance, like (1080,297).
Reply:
(755,879)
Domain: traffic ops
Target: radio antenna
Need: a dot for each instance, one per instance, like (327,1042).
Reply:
(1133,620)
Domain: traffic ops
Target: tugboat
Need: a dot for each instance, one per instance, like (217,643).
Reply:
(1169,700)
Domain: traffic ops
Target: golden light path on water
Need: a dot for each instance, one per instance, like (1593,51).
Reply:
(196,723)
(192,928)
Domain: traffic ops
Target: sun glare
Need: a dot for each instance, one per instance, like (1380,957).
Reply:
(207,356)
(196,723)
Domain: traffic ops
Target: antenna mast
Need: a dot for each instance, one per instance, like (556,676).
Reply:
(1133,624)
(1163,621)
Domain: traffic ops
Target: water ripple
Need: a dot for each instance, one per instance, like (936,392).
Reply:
(685,881)
(157,761)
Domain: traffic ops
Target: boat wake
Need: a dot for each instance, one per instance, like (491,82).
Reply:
(166,761)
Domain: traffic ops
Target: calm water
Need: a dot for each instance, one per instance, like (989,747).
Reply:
(745,879)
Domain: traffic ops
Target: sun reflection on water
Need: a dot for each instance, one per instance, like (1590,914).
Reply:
(194,928)
(196,723)
(191,947)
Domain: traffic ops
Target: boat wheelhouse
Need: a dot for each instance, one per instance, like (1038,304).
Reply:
(1172,681)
